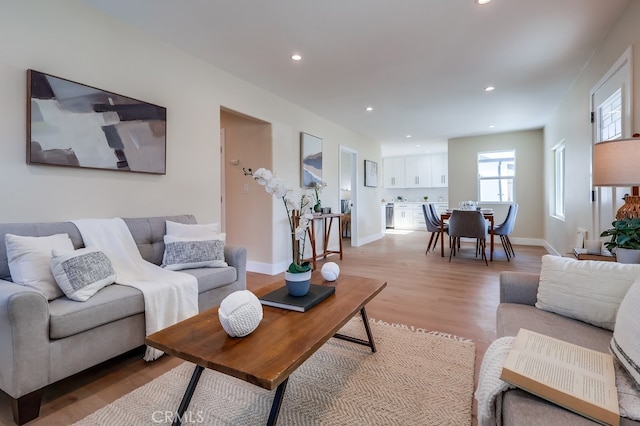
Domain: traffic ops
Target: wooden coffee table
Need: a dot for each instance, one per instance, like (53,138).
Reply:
(281,343)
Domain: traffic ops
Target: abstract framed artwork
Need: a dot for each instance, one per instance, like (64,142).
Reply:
(370,173)
(71,124)
(310,160)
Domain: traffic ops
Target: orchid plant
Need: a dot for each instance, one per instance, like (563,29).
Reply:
(317,187)
(299,214)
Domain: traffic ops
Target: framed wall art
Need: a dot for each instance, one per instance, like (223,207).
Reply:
(370,173)
(310,160)
(71,124)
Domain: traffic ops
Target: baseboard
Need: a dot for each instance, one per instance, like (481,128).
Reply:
(362,241)
(264,268)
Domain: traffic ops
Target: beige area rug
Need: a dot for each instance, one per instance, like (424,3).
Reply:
(414,378)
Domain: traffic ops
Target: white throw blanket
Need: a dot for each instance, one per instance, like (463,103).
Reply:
(490,386)
(169,297)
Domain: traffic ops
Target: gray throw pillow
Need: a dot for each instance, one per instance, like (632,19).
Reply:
(82,273)
(189,253)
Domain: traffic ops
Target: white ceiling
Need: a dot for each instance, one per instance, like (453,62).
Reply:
(421,64)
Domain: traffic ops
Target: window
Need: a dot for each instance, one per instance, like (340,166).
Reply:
(610,117)
(558,179)
(496,176)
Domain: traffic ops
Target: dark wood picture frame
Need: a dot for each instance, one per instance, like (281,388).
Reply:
(75,125)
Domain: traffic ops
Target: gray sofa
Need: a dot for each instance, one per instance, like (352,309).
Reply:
(518,294)
(43,342)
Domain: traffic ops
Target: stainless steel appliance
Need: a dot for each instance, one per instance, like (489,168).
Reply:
(389,216)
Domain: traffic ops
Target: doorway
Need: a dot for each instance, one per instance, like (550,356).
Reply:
(611,112)
(246,209)
(349,192)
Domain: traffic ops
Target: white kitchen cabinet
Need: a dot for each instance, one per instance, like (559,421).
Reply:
(418,217)
(394,172)
(418,171)
(403,216)
(439,170)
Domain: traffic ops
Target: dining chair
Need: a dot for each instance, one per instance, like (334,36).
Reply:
(505,229)
(468,224)
(433,225)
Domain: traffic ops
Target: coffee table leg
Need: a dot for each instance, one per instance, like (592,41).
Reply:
(186,399)
(370,342)
(277,403)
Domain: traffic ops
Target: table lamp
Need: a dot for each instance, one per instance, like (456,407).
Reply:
(617,163)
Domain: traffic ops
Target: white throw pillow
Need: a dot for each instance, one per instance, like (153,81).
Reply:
(185,230)
(625,344)
(81,273)
(188,253)
(590,291)
(29,257)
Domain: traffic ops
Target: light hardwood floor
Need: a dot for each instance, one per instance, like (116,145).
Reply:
(423,291)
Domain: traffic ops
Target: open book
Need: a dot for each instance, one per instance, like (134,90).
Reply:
(577,378)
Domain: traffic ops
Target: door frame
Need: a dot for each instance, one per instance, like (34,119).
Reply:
(354,190)
(612,194)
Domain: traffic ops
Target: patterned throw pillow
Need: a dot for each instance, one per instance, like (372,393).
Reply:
(29,257)
(81,273)
(625,344)
(189,253)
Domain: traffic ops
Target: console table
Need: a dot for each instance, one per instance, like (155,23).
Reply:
(327,221)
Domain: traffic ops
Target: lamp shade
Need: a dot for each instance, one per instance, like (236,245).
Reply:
(616,163)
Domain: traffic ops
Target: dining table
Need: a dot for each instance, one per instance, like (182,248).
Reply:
(488,215)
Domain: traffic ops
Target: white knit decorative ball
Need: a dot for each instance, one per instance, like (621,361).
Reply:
(240,313)
(330,271)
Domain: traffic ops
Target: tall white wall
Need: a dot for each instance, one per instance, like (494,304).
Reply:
(463,176)
(571,123)
(70,40)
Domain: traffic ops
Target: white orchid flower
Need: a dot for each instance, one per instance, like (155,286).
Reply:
(300,232)
(262,176)
(274,186)
(291,204)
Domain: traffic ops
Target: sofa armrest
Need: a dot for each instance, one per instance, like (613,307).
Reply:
(519,287)
(237,257)
(24,333)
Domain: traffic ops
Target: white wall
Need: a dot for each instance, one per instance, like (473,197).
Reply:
(571,123)
(67,39)
(463,177)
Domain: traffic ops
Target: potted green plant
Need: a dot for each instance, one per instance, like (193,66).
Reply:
(425,198)
(625,240)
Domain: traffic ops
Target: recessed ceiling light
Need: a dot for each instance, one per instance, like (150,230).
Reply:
(489,89)
(492,126)
(482,1)
(369,108)
(418,146)
(296,57)
(408,136)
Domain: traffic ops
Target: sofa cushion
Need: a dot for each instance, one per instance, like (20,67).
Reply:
(34,230)
(29,259)
(625,344)
(511,317)
(148,233)
(210,278)
(82,273)
(589,291)
(114,302)
(189,253)
(189,230)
